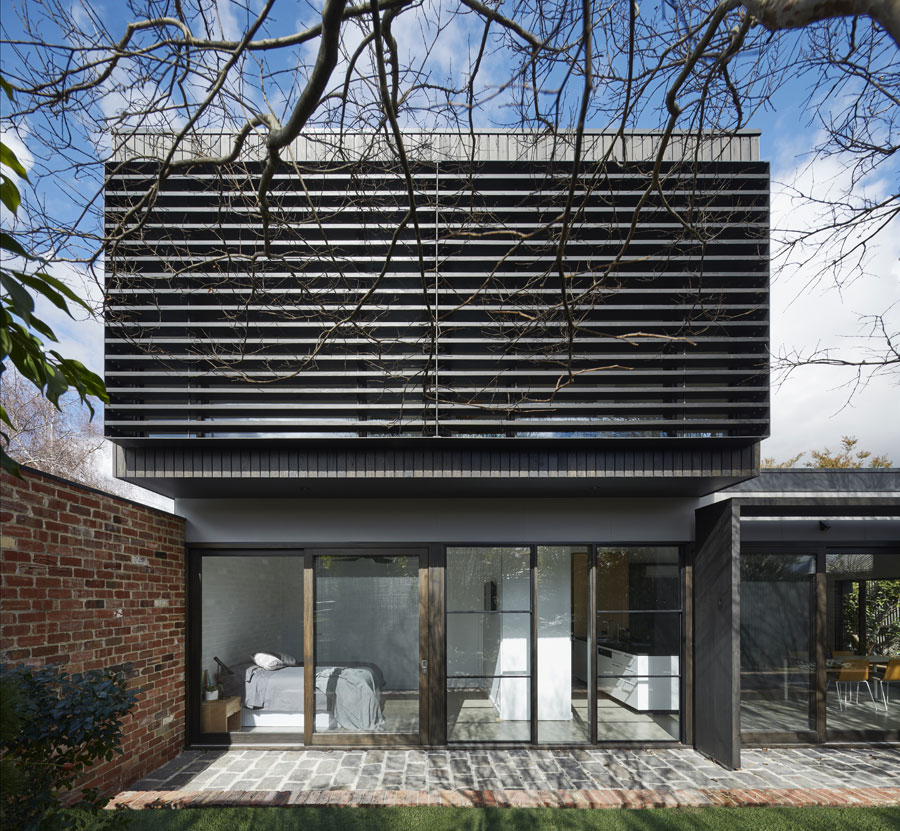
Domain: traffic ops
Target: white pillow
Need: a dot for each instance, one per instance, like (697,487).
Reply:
(267,660)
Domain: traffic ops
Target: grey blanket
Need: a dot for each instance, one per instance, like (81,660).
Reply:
(279,691)
(354,689)
(357,704)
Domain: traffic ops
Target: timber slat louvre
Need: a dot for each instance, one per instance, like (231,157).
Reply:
(209,338)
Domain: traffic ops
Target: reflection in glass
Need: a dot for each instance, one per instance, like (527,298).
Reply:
(656,634)
(862,637)
(484,644)
(488,597)
(638,578)
(777,649)
(562,604)
(489,579)
(251,604)
(639,633)
(367,643)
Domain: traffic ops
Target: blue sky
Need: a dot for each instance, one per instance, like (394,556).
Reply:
(811,408)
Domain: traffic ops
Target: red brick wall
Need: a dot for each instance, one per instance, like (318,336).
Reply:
(90,580)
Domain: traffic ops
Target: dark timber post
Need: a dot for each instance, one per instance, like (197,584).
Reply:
(717,644)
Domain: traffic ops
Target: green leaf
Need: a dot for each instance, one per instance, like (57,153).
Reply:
(39,326)
(8,157)
(62,288)
(9,193)
(41,285)
(10,244)
(9,464)
(56,386)
(20,301)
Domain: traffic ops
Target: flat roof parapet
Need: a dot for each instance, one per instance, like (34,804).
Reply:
(437,146)
(821,481)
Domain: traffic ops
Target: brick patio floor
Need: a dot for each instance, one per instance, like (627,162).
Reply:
(593,778)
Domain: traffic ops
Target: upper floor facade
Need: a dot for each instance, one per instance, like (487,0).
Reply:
(482,295)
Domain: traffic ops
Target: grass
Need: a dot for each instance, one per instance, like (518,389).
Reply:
(515,819)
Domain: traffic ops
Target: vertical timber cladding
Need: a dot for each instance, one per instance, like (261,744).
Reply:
(716,627)
(350,315)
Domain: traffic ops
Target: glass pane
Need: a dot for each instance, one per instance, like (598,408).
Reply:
(863,637)
(489,709)
(367,644)
(488,644)
(488,625)
(645,636)
(638,578)
(635,708)
(777,649)
(251,604)
(488,579)
(562,604)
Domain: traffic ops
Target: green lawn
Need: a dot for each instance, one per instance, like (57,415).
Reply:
(520,819)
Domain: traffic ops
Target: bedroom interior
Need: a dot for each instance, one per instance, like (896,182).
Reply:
(366,641)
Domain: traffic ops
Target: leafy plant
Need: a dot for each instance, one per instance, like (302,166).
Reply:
(62,725)
(22,332)
(882,635)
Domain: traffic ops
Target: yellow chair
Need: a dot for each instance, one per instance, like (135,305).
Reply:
(891,676)
(853,672)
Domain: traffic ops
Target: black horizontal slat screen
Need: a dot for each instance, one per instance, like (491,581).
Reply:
(364,320)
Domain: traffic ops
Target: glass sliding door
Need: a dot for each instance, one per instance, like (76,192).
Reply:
(488,632)
(862,640)
(368,646)
(639,626)
(250,644)
(778,654)
(563,671)
(525,648)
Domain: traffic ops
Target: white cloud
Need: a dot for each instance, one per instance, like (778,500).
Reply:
(817,307)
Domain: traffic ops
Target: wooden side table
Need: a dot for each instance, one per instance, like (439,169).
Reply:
(221,716)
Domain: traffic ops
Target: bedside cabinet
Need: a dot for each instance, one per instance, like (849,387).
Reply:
(221,716)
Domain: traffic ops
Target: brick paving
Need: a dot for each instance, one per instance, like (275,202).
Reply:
(582,778)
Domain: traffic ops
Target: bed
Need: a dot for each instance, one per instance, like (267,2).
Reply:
(347,696)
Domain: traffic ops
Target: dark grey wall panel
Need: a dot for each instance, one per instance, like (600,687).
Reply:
(717,615)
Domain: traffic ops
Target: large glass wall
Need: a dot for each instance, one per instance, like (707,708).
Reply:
(862,640)
(639,626)
(778,669)
(852,599)
(251,615)
(519,629)
(367,643)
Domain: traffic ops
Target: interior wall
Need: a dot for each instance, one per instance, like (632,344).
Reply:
(468,632)
(251,604)
(554,625)
(364,614)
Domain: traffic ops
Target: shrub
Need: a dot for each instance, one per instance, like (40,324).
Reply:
(59,726)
